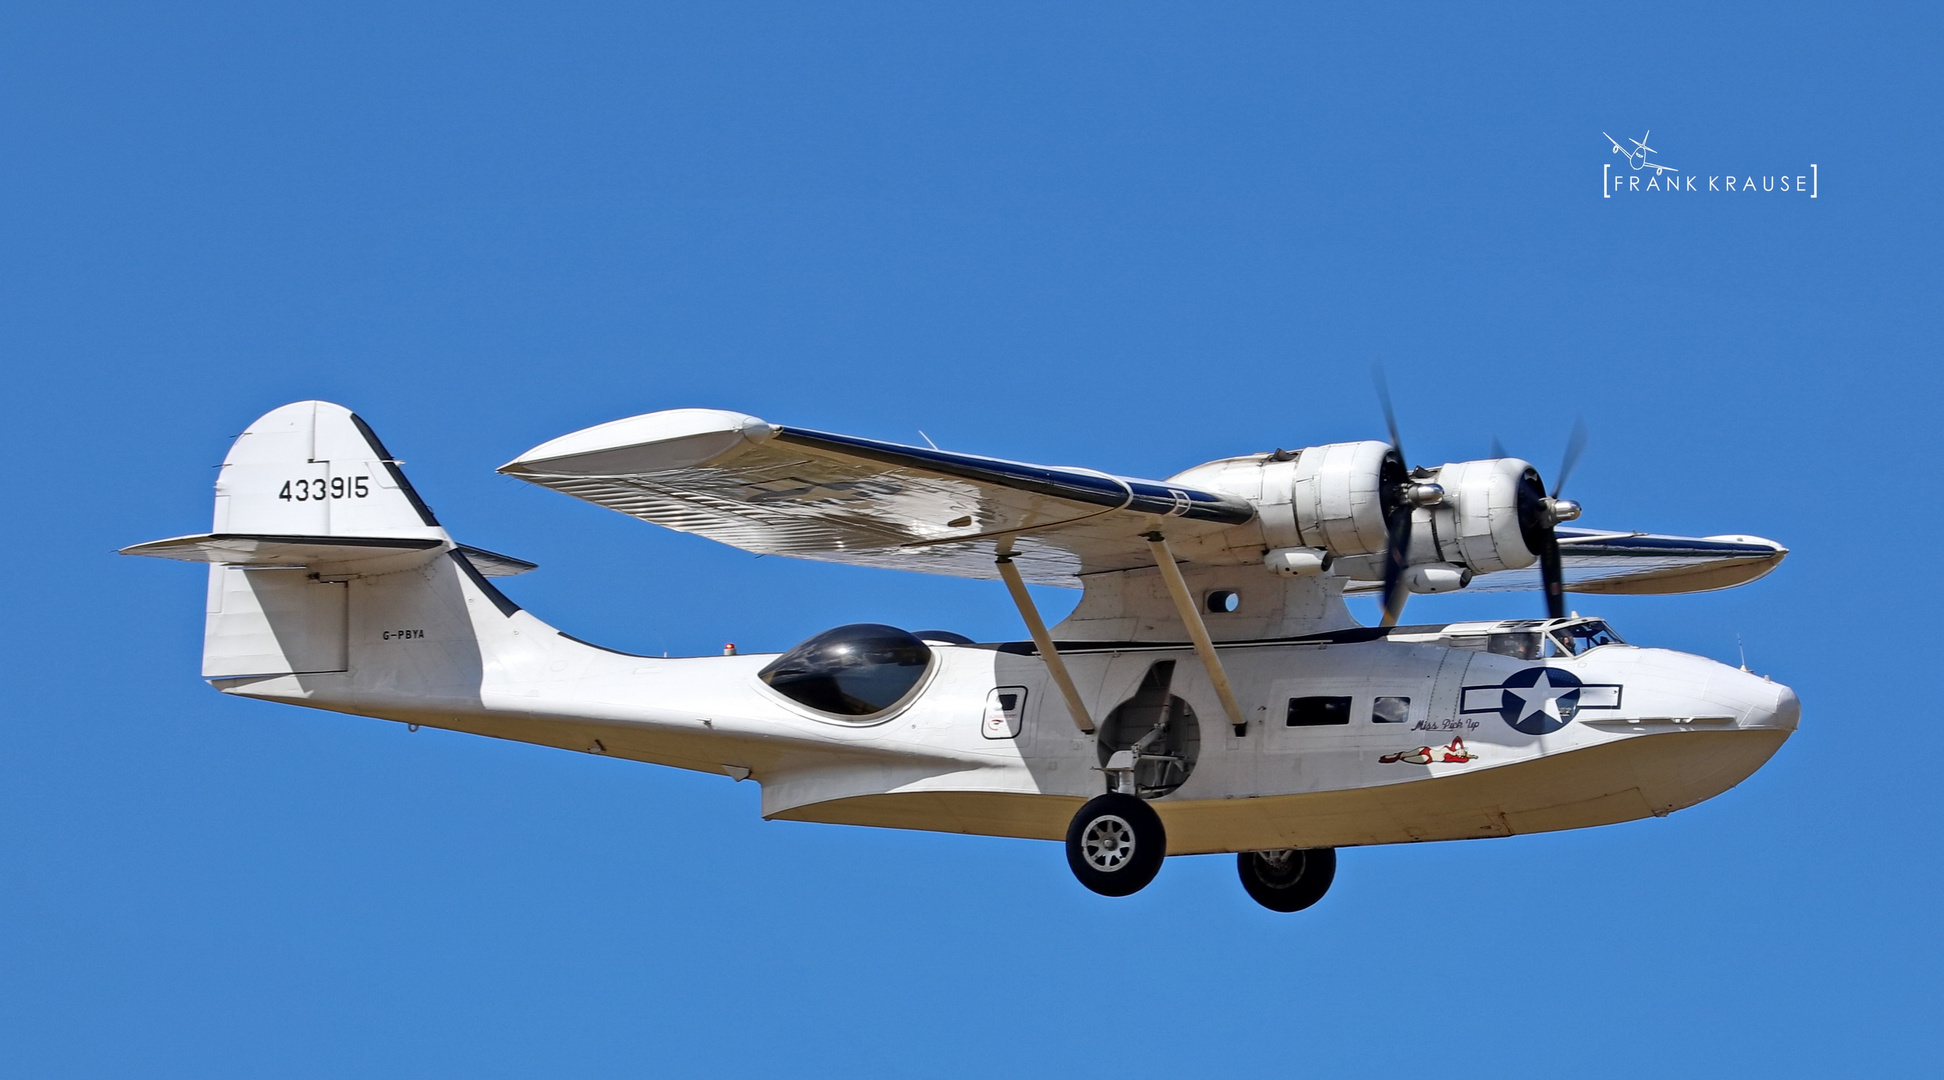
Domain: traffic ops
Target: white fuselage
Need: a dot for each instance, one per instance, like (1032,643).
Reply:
(1477,751)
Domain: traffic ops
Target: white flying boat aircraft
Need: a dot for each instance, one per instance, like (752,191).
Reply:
(1210,693)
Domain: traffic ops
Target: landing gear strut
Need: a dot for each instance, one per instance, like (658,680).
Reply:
(1287,880)
(1115,844)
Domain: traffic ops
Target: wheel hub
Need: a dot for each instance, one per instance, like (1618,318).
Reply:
(1280,869)
(1108,842)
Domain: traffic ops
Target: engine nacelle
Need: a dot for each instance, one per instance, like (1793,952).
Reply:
(1326,500)
(1478,523)
(1331,502)
(1338,496)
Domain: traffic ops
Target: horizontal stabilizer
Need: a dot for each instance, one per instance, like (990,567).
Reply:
(347,554)
(493,564)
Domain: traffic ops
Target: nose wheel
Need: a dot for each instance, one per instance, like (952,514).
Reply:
(1115,844)
(1287,880)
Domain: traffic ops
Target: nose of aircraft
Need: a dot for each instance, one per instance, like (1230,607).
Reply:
(1671,684)
(1787,709)
(1766,704)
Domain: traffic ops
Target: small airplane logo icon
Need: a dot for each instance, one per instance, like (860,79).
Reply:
(1638,155)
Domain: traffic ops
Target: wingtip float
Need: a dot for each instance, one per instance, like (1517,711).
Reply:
(1210,693)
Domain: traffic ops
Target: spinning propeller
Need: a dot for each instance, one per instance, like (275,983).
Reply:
(1401,496)
(1540,513)
(1403,491)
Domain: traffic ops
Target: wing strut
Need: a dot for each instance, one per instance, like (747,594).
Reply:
(1043,641)
(1197,630)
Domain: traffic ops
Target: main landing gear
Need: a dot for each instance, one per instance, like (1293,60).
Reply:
(1116,842)
(1147,747)
(1288,880)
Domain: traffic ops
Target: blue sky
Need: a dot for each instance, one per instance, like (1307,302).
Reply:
(1123,236)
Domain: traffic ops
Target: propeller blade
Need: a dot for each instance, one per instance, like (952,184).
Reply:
(1498,448)
(1575,445)
(1390,414)
(1397,526)
(1553,577)
(1397,548)
(1538,528)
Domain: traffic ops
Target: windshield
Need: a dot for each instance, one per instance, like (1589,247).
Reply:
(1581,636)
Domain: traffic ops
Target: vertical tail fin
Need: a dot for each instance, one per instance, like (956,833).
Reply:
(315,469)
(309,503)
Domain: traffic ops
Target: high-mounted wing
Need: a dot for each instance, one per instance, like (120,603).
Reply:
(782,490)
(1639,563)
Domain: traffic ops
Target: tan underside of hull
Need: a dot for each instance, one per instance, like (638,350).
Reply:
(1620,781)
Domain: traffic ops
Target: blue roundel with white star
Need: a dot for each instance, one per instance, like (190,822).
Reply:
(1540,700)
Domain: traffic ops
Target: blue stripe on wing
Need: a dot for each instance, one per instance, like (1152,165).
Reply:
(1586,542)
(1077,485)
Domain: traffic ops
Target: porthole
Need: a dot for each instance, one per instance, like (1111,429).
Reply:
(1224,601)
(1390,710)
(1318,711)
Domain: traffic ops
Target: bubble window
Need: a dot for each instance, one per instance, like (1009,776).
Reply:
(858,670)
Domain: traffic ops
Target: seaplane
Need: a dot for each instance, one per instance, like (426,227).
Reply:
(1637,157)
(1211,692)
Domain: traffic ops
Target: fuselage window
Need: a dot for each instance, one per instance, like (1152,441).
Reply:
(1390,710)
(854,670)
(1317,711)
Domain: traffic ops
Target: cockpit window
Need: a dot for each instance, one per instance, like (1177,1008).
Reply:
(854,670)
(1521,646)
(1581,636)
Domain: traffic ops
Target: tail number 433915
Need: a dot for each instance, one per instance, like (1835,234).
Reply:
(318,490)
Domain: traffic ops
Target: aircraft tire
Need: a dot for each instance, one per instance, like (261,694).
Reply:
(1115,844)
(1287,880)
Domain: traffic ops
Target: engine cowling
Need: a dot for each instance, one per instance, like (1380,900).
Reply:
(1340,494)
(1328,499)
(1331,502)
(1478,524)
